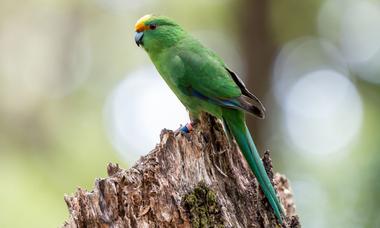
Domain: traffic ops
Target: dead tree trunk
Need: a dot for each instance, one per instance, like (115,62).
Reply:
(193,180)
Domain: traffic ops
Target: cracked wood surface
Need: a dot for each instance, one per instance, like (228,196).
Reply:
(193,180)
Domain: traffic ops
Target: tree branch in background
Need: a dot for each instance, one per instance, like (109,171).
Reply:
(258,51)
(193,180)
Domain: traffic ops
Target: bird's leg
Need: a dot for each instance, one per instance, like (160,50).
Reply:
(187,128)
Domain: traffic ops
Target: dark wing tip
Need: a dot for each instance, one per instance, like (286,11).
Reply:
(257,112)
(252,108)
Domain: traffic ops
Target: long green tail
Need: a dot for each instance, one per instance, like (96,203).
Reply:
(234,121)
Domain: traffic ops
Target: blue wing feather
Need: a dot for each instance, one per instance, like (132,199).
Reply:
(234,103)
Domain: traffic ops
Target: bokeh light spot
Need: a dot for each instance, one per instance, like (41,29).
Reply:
(360,31)
(354,26)
(301,56)
(323,112)
(138,109)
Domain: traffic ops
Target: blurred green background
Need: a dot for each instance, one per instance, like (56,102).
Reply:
(76,93)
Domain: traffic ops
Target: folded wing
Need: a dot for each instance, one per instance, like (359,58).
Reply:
(207,78)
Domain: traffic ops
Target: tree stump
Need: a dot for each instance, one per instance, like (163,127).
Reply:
(198,179)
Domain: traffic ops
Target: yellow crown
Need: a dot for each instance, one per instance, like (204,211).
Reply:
(140,24)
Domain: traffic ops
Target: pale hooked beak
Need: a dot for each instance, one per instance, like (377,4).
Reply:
(138,38)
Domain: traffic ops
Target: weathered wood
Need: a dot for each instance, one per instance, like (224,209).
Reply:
(193,180)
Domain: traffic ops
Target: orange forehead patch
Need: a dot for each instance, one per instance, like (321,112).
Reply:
(140,24)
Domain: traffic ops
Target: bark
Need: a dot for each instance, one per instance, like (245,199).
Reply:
(198,179)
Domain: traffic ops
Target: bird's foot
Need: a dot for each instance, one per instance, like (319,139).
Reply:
(185,129)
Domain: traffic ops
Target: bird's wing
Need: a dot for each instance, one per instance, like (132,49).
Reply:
(245,91)
(207,78)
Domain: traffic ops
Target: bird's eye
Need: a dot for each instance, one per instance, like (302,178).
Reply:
(152,26)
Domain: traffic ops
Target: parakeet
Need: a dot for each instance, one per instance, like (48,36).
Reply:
(203,83)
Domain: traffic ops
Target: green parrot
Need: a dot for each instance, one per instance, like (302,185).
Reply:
(203,83)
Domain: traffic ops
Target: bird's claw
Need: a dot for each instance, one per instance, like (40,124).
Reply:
(184,130)
(187,128)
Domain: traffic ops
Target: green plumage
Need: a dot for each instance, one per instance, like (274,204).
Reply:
(203,83)
(236,123)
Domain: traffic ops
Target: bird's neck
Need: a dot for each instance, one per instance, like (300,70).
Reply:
(171,40)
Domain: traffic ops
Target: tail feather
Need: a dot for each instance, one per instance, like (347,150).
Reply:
(235,122)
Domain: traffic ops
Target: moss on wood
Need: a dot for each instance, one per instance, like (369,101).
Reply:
(203,207)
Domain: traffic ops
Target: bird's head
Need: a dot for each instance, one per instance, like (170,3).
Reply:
(155,33)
